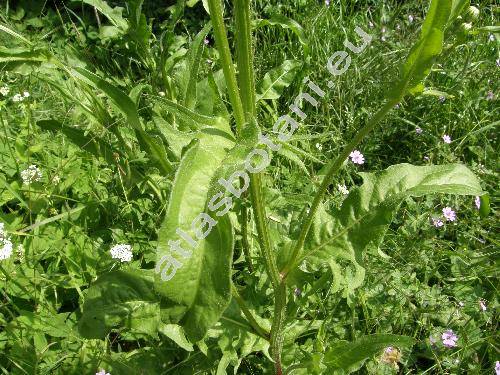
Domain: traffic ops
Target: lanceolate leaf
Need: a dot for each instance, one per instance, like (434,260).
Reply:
(367,212)
(350,356)
(128,108)
(276,80)
(114,15)
(197,290)
(422,55)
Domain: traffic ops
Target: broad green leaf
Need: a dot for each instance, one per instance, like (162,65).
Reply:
(196,293)
(286,23)
(421,58)
(368,210)
(276,80)
(121,299)
(114,15)
(350,356)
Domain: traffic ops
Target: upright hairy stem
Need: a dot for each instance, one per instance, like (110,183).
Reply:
(332,169)
(222,44)
(247,85)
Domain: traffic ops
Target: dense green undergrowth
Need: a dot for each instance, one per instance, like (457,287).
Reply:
(101,107)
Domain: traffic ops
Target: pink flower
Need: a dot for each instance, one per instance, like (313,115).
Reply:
(449,214)
(482,305)
(497,368)
(327,3)
(477,202)
(419,131)
(449,338)
(438,223)
(446,139)
(357,157)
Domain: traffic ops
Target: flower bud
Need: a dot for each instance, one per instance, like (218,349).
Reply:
(473,13)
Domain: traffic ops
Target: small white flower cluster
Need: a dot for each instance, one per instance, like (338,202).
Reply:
(4,91)
(20,97)
(31,174)
(343,189)
(122,252)
(5,244)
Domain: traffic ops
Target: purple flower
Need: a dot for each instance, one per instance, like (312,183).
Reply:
(490,95)
(477,202)
(482,305)
(497,368)
(438,223)
(357,157)
(206,41)
(432,340)
(446,139)
(419,130)
(449,214)
(449,338)
(327,3)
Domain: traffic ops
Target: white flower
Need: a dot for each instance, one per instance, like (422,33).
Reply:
(56,179)
(161,93)
(17,98)
(357,157)
(102,372)
(6,249)
(319,146)
(482,305)
(371,25)
(411,18)
(5,244)
(26,94)
(343,189)
(446,139)
(4,91)
(122,252)
(491,38)
(31,174)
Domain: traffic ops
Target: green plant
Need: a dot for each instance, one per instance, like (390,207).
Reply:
(219,293)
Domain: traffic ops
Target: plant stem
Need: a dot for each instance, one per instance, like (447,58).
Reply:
(248,314)
(242,114)
(246,80)
(332,169)
(222,43)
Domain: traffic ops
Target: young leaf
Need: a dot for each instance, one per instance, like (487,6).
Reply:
(350,356)
(421,58)
(367,212)
(197,291)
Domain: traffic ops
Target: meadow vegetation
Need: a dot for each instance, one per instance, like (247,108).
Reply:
(117,119)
